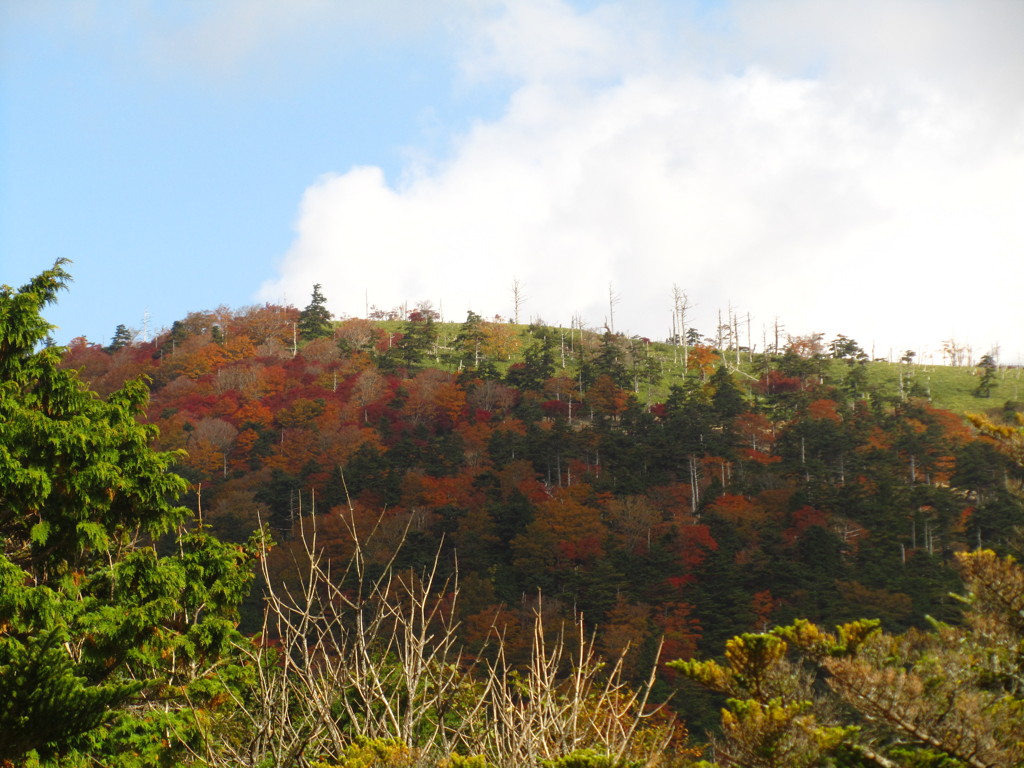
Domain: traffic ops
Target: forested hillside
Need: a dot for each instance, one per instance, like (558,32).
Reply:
(660,491)
(459,510)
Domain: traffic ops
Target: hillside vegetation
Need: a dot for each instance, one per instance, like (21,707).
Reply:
(512,484)
(658,490)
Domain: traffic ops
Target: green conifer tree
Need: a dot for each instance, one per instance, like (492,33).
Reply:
(91,614)
(315,319)
(470,341)
(419,334)
(988,377)
(727,399)
(122,338)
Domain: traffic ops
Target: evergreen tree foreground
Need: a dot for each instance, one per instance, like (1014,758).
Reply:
(108,644)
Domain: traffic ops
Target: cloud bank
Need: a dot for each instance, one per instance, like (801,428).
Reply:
(845,168)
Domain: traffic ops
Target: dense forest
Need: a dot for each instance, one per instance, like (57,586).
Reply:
(660,502)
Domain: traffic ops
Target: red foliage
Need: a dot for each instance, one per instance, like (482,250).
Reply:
(521,476)
(90,360)
(763,605)
(760,458)
(555,408)
(674,499)
(756,430)
(680,631)
(584,549)
(456,491)
(679,583)
(695,541)
(774,383)
(802,519)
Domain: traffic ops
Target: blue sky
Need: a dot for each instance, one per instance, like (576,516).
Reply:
(852,168)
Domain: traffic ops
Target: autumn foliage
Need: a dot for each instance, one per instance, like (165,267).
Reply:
(686,520)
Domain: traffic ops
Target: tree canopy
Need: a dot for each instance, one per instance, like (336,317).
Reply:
(951,697)
(94,616)
(315,319)
(692,500)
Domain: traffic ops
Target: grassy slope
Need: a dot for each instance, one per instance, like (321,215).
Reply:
(952,388)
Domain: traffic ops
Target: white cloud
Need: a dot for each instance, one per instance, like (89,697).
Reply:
(849,168)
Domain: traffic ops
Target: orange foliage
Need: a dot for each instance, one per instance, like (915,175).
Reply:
(622,632)
(263,323)
(824,409)
(565,532)
(755,429)
(877,440)
(675,499)
(450,401)
(634,519)
(501,341)
(575,525)
(205,460)
(495,621)
(253,412)
(247,439)
(734,508)
(917,426)
(806,346)
(294,449)
(474,442)
(702,359)
(434,395)
(236,348)
(521,476)
(301,412)
(606,399)
(953,427)
(419,488)
(196,358)
(746,516)
(337,442)
(273,381)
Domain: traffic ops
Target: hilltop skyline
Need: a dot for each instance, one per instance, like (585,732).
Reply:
(853,169)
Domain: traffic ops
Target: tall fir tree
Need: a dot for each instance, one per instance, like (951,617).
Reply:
(315,319)
(97,628)
(122,338)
